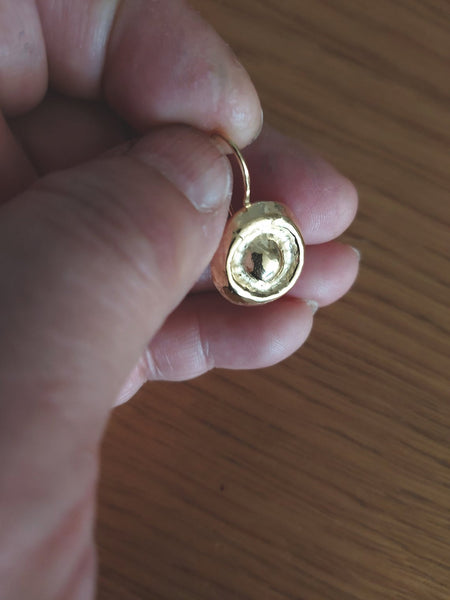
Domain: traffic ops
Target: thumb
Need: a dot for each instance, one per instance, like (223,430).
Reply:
(93,259)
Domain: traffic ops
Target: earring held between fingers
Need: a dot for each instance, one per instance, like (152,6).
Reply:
(261,254)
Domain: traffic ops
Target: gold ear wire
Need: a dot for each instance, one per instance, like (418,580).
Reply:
(243,166)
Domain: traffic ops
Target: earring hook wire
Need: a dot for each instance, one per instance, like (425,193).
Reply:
(243,166)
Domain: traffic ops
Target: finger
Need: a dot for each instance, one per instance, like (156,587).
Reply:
(62,132)
(23,64)
(323,201)
(16,170)
(183,348)
(207,332)
(155,62)
(328,273)
(92,261)
(194,77)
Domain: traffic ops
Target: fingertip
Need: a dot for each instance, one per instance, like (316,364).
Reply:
(323,200)
(176,69)
(239,115)
(347,202)
(329,272)
(190,160)
(330,206)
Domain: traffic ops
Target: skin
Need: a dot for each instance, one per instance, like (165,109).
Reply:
(109,218)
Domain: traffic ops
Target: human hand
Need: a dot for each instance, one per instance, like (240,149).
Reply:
(99,252)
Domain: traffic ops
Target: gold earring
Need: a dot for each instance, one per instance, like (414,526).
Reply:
(262,251)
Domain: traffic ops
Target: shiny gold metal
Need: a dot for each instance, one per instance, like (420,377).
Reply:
(244,169)
(261,254)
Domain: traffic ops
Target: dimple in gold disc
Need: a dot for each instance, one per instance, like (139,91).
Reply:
(261,255)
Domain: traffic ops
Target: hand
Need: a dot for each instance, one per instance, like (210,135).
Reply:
(99,251)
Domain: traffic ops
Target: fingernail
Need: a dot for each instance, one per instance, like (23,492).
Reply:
(314,306)
(192,162)
(356,251)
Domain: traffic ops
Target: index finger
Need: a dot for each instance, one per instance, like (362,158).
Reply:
(154,62)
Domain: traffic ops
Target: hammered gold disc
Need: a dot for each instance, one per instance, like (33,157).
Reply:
(261,255)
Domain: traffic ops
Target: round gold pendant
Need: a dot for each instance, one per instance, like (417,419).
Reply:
(261,254)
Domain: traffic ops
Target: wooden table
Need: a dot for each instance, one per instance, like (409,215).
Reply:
(326,477)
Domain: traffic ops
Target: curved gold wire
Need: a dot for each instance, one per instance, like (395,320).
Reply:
(243,167)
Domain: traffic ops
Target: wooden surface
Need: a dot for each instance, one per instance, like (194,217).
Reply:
(328,476)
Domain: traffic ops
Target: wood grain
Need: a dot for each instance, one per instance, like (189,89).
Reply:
(328,476)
